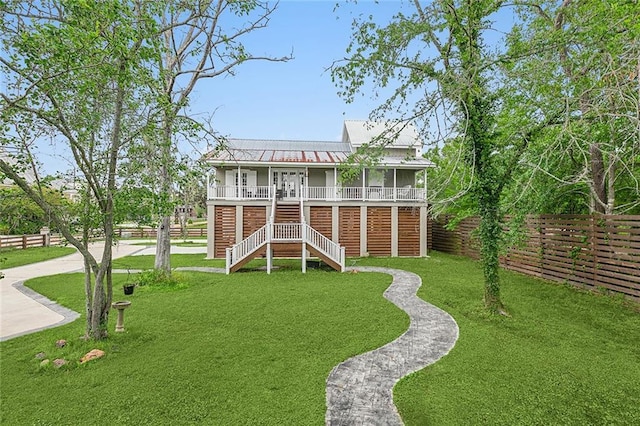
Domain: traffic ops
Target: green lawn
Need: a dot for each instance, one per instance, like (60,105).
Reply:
(248,348)
(10,258)
(252,348)
(565,357)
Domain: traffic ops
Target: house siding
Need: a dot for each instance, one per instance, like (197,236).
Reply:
(254,218)
(349,225)
(225,229)
(409,231)
(321,219)
(379,231)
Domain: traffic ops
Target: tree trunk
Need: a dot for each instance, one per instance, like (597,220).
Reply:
(598,178)
(163,240)
(163,246)
(490,230)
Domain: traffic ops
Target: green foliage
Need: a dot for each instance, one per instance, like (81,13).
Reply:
(582,55)
(157,279)
(19,214)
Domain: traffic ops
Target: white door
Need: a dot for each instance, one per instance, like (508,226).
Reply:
(289,181)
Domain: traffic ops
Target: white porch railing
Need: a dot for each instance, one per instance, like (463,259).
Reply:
(239,192)
(326,193)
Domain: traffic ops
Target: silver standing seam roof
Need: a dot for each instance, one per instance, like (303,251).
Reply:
(279,151)
(321,153)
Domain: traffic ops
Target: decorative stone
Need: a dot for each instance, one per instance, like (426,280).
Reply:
(61,343)
(91,355)
(57,363)
(41,355)
(44,362)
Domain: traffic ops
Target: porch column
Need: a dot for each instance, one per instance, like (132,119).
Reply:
(208,186)
(270,183)
(363,230)
(394,231)
(335,224)
(239,214)
(335,183)
(423,231)
(364,173)
(395,184)
(211,229)
(425,184)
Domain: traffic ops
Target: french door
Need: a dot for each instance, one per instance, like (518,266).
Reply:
(290,182)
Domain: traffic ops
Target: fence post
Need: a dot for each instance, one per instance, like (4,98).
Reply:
(594,250)
(24,241)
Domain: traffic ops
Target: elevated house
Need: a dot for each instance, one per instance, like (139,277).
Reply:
(277,198)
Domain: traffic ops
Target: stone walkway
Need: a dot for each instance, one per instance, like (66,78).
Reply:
(360,390)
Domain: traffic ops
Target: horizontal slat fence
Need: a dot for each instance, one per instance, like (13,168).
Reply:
(28,241)
(153,232)
(589,251)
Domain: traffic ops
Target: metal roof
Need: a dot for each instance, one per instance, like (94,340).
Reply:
(280,151)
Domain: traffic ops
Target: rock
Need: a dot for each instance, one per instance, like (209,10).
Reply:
(92,354)
(61,343)
(44,362)
(41,355)
(57,363)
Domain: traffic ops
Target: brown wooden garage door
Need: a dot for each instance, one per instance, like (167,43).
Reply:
(253,218)
(408,231)
(320,220)
(379,231)
(225,229)
(349,227)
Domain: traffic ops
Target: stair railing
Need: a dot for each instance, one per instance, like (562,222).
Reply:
(244,248)
(324,245)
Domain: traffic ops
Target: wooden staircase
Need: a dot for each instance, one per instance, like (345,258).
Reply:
(287,212)
(285,235)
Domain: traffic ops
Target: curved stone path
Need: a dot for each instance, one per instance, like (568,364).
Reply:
(360,390)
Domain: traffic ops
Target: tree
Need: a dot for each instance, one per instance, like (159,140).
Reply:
(585,54)
(73,72)
(19,214)
(443,73)
(200,41)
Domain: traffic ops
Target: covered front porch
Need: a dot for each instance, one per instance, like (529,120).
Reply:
(314,183)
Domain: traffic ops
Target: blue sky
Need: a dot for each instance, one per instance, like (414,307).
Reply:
(296,99)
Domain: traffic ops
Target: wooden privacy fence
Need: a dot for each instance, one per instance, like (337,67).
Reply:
(153,233)
(590,251)
(28,241)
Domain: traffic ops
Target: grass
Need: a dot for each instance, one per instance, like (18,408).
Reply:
(10,258)
(248,348)
(252,348)
(564,357)
(177,260)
